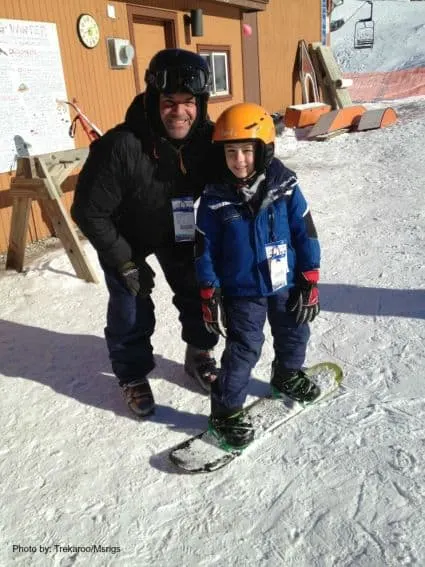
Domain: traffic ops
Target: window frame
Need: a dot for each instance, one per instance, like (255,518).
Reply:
(218,50)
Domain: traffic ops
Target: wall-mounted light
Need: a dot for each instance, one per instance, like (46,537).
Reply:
(195,22)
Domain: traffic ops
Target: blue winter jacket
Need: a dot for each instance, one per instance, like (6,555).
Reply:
(231,240)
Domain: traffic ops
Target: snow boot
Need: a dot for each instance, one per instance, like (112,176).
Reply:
(200,364)
(233,431)
(294,384)
(139,397)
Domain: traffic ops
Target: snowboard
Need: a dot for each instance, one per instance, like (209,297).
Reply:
(202,453)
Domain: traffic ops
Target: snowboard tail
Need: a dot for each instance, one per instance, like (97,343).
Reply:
(203,452)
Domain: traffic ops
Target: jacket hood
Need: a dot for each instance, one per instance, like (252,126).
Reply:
(278,174)
(135,117)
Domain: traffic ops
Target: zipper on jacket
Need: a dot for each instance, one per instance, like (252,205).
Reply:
(271,219)
(181,162)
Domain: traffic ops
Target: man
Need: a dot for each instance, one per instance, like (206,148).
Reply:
(134,197)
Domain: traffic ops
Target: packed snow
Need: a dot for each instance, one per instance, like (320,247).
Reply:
(342,485)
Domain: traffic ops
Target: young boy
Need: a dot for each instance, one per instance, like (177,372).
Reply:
(257,255)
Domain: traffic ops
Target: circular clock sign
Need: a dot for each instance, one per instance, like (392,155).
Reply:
(88,30)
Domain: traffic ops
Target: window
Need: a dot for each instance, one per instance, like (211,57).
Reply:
(219,64)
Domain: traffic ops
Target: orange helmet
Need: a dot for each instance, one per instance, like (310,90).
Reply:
(245,122)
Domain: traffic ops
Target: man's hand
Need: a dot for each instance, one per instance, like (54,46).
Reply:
(138,279)
(303,299)
(212,311)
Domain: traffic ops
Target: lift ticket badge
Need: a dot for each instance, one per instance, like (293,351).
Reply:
(184,219)
(276,253)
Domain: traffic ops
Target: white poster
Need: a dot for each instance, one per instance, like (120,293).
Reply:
(31,82)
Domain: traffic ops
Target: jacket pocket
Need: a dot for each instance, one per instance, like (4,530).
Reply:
(230,214)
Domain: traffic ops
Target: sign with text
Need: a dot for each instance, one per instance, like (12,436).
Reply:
(31,82)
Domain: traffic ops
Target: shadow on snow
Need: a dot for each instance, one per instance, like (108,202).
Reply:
(378,302)
(77,366)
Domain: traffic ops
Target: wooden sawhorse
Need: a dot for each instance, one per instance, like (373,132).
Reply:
(40,178)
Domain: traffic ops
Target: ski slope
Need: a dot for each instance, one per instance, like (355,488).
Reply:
(399,36)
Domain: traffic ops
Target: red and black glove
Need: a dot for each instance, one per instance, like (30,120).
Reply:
(212,310)
(303,299)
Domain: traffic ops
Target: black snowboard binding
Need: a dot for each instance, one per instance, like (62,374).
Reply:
(233,432)
(294,384)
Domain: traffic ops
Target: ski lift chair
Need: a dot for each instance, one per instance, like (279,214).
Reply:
(364,31)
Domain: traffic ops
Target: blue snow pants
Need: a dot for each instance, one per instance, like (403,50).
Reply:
(246,317)
(130,321)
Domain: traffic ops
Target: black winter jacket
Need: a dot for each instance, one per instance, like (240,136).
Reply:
(122,201)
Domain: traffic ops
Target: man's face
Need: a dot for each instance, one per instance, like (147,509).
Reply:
(178,113)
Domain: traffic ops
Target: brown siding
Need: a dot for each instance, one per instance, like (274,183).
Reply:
(103,93)
(280,27)
(251,60)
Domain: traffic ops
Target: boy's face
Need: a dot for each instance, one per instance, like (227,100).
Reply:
(240,158)
(178,113)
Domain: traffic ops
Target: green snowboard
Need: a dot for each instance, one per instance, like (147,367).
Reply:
(202,453)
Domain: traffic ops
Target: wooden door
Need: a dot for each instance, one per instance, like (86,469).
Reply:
(150,31)
(148,39)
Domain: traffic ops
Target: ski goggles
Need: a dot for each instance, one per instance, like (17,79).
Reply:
(191,79)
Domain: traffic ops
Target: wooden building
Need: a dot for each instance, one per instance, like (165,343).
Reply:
(256,66)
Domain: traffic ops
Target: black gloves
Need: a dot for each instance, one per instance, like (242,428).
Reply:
(303,299)
(212,311)
(138,279)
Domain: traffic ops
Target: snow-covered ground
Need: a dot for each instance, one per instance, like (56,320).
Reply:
(341,486)
(399,35)
(344,485)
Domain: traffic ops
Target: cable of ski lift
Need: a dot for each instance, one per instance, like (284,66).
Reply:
(337,24)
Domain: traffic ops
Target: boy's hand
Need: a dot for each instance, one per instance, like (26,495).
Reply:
(212,311)
(303,299)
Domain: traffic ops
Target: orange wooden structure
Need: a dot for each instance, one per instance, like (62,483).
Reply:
(336,120)
(376,118)
(301,115)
